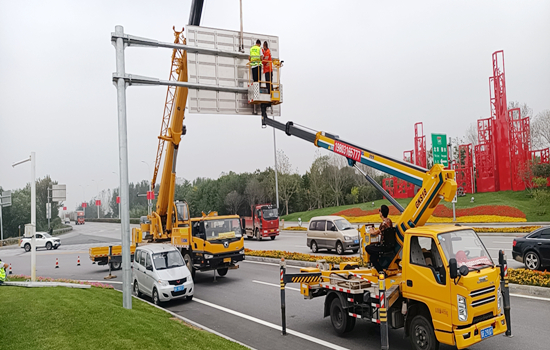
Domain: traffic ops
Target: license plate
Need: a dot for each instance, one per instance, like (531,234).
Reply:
(227,260)
(356,241)
(487,332)
(179,288)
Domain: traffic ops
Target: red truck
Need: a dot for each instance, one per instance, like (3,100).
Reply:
(264,222)
(79,218)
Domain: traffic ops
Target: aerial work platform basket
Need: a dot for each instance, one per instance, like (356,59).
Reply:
(259,92)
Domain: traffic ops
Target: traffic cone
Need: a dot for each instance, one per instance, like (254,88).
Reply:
(56,263)
(11,272)
(78,261)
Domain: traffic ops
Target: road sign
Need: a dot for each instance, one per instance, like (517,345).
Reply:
(64,208)
(48,210)
(223,71)
(98,202)
(118,200)
(5,199)
(439,149)
(59,193)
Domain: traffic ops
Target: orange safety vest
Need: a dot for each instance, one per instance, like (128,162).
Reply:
(267,61)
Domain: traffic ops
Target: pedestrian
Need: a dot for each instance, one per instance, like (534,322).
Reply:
(256,61)
(267,66)
(3,267)
(387,243)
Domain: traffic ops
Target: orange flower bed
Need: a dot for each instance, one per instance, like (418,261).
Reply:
(442,211)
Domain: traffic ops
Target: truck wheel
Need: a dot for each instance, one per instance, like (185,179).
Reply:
(49,245)
(273,238)
(341,321)
(27,247)
(422,334)
(314,247)
(223,272)
(189,263)
(339,248)
(137,293)
(115,265)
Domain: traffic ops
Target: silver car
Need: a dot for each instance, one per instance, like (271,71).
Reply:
(160,273)
(332,232)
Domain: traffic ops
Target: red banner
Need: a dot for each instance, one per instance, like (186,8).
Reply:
(118,200)
(64,208)
(150,195)
(347,151)
(84,205)
(97,202)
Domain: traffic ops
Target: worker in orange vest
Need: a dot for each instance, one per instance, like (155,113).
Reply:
(267,66)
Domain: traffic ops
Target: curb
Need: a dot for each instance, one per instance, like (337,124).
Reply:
(193,323)
(543,292)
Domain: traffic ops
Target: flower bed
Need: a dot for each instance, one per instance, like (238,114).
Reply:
(295,228)
(482,213)
(64,280)
(519,229)
(518,276)
(529,278)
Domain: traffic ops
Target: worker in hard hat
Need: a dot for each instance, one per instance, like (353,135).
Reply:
(256,61)
(267,66)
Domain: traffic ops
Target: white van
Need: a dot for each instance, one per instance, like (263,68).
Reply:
(160,272)
(332,232)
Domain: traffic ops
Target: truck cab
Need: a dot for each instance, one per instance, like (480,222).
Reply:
(263,222)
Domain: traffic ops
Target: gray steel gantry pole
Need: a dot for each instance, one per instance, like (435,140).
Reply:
(123,158)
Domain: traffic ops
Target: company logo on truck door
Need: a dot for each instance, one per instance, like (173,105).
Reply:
(347,151)
(421,198)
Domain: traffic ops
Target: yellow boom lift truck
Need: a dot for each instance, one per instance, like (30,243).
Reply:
(439,282)
(210,242)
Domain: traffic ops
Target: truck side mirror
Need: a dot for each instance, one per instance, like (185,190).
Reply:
(464,270)
(453,270)
(243,223)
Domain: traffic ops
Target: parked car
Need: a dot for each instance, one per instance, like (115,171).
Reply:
(332,232)
(533,249)
(43,240)
(161,273)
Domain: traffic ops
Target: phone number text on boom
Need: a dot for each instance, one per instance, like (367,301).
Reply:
(347,151)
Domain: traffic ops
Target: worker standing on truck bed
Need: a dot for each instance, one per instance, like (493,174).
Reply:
(387,242)
(256,61)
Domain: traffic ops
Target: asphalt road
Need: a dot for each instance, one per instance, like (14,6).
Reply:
(245,305)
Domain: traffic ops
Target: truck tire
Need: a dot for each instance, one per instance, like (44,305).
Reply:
(273,238)
(189,262)
(341,321)
(115,265)
(156,299)
(27,247)
(49,245)
(223,272)
(422,334)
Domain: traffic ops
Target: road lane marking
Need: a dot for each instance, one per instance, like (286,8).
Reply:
(271,325)
(529,297)
(275,285)
(267,263)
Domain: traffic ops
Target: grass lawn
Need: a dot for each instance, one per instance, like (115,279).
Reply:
(67,318)
(520,200)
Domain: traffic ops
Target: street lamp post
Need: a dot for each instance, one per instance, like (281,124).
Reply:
(32,159)
(149,200)
(97,191)
(84,197)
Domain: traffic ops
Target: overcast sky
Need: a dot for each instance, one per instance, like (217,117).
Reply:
(365,70)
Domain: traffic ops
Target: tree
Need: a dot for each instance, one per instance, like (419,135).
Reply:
(471,134)
(254,192)
(317,182)
(233,201)
(336,178)
(287,177)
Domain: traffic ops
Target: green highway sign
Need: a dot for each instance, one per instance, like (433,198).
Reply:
(439,149)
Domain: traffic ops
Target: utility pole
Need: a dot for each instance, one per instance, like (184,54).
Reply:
(32,159)
(276,179)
